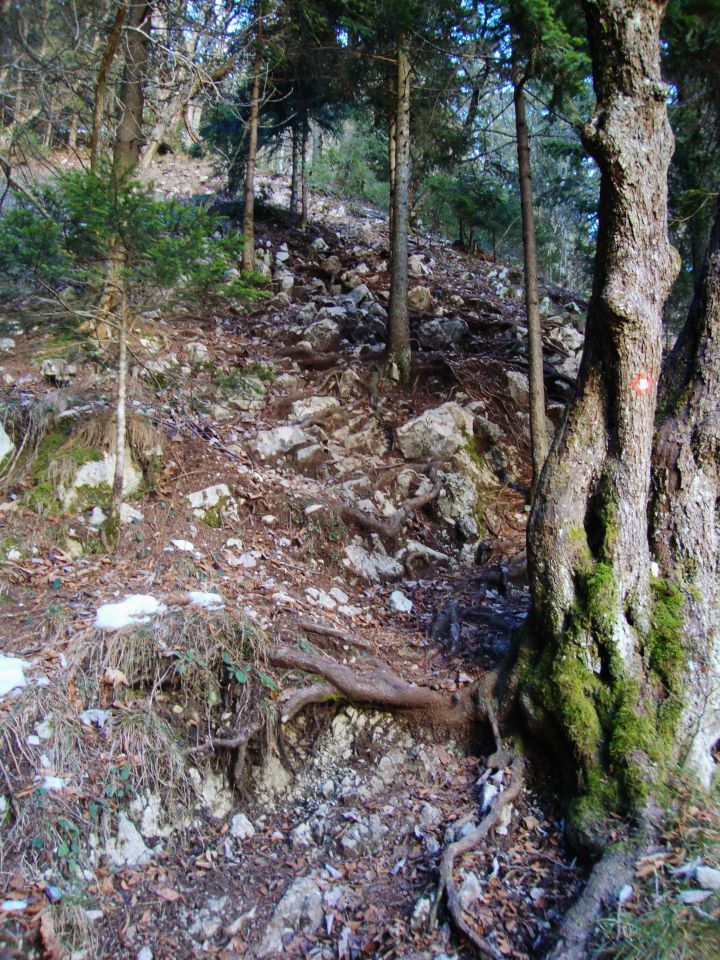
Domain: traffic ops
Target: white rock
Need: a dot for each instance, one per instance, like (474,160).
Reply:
(319,245)
(100,473)
(470,890)
(518,387)
(371,566)
(184,546)
(6,343)
(488,793)
(280,440)
(128,848)
(145,953)
(399,603)
(420,298)
(691,897)
(320,598)
(337,594)
(420,918)
(313,407)
(241,827)
(436,434)
(708,877)
(300,908)
(197,352)
(13,906)
(138,608)
(129,514)
(12,675)
(625,893)
(323,335)
(97,517)
(7,447)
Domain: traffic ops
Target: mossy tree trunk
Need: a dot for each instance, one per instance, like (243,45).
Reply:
(591,681)
(248,256)
(686,520)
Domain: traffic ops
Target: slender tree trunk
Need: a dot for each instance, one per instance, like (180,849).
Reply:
(392,153)
(588,551)
(538,423)
(398,318)
(128,144)
(686,522)
(248,257)
(303,176)
(101,81)
(296,172)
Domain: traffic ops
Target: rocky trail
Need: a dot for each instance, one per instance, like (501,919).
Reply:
(254,730)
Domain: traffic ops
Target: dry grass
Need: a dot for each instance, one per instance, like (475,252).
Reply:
(100,432)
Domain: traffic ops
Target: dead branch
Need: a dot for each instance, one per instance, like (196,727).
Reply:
(609,874)
(240,738)
(379,686)
(391,528)
(296,700)
(470,842)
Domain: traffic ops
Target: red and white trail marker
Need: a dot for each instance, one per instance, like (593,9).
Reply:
(642,383)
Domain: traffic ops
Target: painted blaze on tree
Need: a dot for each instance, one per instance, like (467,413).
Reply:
(611,672)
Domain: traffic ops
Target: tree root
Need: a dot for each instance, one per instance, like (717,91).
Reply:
(470,842)
(381,686)
(293,701)
(608,875)
(390,529)
(336,633)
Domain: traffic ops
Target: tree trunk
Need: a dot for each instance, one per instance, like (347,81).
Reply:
(538,423)
(296,174)
(392,153)
(303,176)
(398,319)
(101,82)
(686,524)
(128,143)
(588,550)
(248,257)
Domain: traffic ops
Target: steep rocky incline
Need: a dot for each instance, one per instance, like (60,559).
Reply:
(177,780)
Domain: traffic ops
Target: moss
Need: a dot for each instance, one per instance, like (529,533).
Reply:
(213,516)
(632,742)
(85,497)
(602,605)
(42,498)
(666,653)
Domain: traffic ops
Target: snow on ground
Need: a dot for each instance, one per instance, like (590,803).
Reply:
(210,601)
(12,674)
(138,608)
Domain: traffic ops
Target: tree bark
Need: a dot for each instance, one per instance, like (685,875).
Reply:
(303,176)
(101,81)
(248,257)
(538,422)
(398,318)
(686,524)
(296,173)
(588,544)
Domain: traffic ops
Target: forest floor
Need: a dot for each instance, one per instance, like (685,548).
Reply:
(190,785)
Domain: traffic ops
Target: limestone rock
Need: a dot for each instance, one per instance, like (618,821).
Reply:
(213,505)
(371,566)
(437,434)
(127,848)
(442,332)
(518,388)
(241,827)
(420,298)
(279,440)
(93,481)
(313,407)
(323,335)
(458,497)
(7,447)
(300,909)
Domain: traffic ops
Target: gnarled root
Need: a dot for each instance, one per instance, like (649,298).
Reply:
(447,887)
(390,530)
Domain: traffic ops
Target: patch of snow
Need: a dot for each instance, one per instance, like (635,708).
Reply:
(13,906)
(12,675)
(55,784)
(137,608)
(210,601)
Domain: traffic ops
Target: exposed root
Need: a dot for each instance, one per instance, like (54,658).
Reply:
(390,529)
(294,701)
(470,842)
(336,633)
(609,874)
(380,686)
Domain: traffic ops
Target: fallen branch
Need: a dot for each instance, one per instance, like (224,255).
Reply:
(391,528)
(240,738)
(470,842)
(609,874)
